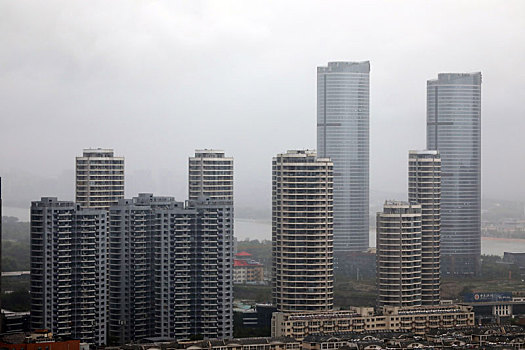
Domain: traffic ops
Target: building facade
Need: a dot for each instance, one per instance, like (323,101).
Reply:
(247,270)
(343,136)
(454,129)
(424,188)
(99,178)
(163,269)
(302,232)
(419,320)
(210,176)
(68,270)
(398,256)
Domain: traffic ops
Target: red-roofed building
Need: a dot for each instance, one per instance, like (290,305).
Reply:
(243,255)
(246,270)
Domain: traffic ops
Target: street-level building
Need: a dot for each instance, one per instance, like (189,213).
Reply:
(247,270)
(418,320)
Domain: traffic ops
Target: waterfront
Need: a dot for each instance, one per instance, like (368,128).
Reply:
(261,230)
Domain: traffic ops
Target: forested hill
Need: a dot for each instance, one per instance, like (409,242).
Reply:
(15,244)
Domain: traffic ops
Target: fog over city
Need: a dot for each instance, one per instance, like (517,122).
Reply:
(155,80)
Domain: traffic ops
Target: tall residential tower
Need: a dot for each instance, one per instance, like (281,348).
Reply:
(424,188)
(343,136)
(211,184)
(302,232)
(454,129)
(162,270)
(99,178)
(68,270)
(398,257)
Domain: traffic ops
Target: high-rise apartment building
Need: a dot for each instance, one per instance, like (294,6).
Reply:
(302,232)
(68,270)
(163,275)
(454,129)
(210,176)
(398,256)
(343,136)
(99,178)
(424,188)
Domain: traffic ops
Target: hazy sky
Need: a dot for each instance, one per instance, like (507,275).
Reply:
(156,79)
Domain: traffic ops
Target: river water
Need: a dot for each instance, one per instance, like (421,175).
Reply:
(261,230)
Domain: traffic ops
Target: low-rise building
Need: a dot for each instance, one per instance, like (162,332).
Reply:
(259,343)
(412,319)
(247,270)
(493,307)
(493,337)
(38,340)
(257,316)
(15,322)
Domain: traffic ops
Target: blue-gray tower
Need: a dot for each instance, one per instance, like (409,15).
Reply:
(343,136)
(454,129)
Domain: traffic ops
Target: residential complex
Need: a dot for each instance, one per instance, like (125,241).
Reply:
(343,136)
(68,270)
(210,177)
(454,129)
(398,255)
(163,269)
(424,188)
(302,232)
(99,178)
(419,320)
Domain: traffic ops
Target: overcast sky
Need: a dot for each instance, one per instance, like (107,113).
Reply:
(157,79)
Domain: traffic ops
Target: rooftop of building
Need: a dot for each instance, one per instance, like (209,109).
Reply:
(251,263)
(243,254)
(210,153)
(424,152)
(302,153)
(473,78)
(345,67)
(37,336)
(385,311)
(98,153)
(163,343)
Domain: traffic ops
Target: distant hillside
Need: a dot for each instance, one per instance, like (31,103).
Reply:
(15,244)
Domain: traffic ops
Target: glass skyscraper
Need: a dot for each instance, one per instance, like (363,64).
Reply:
(343,136)
(454,129)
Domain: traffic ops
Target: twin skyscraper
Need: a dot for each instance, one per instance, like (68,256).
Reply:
(453,129)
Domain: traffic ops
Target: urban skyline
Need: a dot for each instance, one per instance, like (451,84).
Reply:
(251,93)
(140,240)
